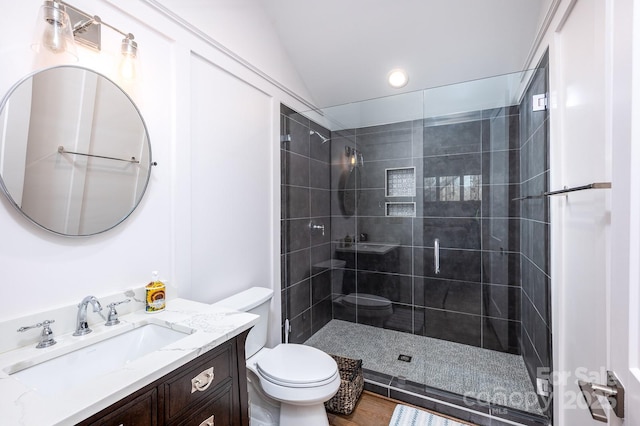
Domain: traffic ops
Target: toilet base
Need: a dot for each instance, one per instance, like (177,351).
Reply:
(263,411)
(307,415)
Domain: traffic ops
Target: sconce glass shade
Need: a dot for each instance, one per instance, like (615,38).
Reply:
(54,32)
(127,66)
(353,161)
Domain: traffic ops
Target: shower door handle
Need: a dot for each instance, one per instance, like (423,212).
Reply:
(436,256)
(613,391)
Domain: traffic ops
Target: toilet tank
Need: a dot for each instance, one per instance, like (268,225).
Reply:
(255,300)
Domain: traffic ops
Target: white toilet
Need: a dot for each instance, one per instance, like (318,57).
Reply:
(289,384)
(371,309)
(375,310)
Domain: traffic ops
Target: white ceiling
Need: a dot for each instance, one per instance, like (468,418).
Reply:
(343,49)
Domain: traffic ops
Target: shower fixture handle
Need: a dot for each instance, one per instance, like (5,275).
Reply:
(313,226)
(436,256)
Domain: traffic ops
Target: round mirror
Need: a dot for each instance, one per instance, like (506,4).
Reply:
(75,156)
(349,191)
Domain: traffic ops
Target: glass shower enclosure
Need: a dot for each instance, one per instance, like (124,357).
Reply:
(413,238)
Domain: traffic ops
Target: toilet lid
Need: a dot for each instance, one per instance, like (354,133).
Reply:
(366,301)
(294,365)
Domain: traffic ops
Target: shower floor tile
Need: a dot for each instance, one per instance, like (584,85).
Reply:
(481,374)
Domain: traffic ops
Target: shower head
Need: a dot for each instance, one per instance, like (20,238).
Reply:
(324,138)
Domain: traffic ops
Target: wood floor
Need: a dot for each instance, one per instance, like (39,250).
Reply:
(372,410)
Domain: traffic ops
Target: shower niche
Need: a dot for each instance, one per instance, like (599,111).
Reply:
(400,182)
(400,209)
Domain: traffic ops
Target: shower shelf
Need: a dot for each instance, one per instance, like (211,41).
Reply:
(596,185)
(400,209)
(400,182)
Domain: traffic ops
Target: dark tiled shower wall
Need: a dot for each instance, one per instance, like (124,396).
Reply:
(475,299)
(534,169)
(305,200)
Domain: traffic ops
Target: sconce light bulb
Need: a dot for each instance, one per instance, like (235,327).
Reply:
(353,159)
(128,68)
(129,49)
(52,38)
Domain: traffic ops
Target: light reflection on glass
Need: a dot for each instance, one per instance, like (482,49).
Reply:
(447,188)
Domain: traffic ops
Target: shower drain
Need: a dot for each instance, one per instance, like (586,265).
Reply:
(404,358)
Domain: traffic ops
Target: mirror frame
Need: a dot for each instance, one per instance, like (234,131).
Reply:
(3,104)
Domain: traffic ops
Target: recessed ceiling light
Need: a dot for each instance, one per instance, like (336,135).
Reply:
(397,78)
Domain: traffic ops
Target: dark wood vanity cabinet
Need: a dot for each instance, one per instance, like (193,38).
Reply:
(138,410)
(211,390)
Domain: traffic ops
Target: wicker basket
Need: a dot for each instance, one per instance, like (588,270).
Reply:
(351,385)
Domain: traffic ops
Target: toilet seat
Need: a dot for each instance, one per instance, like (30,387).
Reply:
(297,366)
(302,388)
(367,301)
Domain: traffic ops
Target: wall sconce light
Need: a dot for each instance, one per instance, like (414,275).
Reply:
(54,31)
(61,26)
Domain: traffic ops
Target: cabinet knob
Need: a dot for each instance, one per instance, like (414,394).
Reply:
(202,381)
(209,422)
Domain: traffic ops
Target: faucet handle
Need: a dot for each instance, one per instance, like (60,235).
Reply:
(112,318)
(314,226)
(46,338)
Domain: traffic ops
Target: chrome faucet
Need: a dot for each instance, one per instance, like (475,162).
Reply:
(82,327)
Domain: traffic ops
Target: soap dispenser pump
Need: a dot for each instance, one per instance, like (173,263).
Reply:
(155,294)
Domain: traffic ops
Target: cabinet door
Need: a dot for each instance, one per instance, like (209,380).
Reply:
(198,382)
(217,411)
(141,411)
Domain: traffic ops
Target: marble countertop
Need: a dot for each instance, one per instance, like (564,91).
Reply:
(207,326)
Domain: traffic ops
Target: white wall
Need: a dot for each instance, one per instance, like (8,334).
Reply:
(210,218)
(242,27)
(231,172)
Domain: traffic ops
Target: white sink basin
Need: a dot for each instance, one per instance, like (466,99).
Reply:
(369,248)
(82,365)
